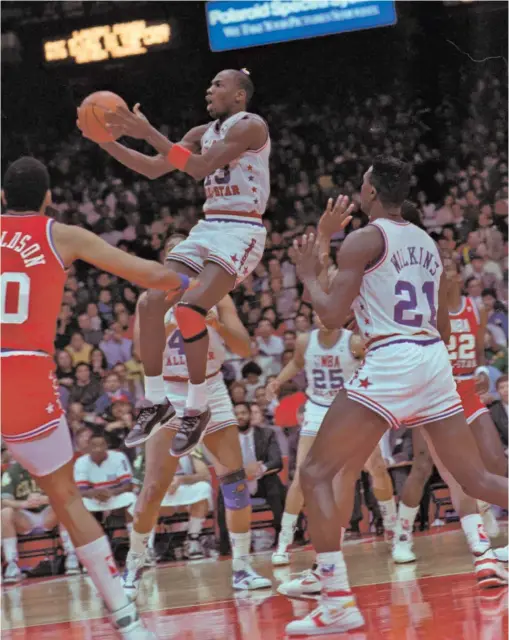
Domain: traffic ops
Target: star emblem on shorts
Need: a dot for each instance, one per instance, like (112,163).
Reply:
(361,307)
(255,200)
(249,167)
(50,408)
(366,320)
(234,258)
(254,189)
(251,178)
(364,382)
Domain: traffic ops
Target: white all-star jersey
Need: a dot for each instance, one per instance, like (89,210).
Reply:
(241,189)
(327,369)
(398,299)
(174,358)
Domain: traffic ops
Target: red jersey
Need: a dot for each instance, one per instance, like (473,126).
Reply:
(465,325)
(32,283)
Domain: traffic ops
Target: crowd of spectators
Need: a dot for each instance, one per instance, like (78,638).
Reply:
(459,153)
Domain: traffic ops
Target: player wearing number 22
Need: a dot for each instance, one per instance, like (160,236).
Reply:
(35,253)
(232,155)
(392,274)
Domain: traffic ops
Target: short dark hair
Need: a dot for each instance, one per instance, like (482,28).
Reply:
(243,404)
(391,179)
(290,332)
(244,82)
(251,367)
(489,291)
(25,184)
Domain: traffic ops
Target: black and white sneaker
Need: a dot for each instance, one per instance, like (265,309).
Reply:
(191,432)
(148,421)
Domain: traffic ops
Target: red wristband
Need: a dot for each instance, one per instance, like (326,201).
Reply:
(178,156)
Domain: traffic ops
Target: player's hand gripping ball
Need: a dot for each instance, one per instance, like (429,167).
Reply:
(92,115)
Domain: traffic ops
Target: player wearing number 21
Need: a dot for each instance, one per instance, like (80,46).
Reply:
(232,155)
(391,274)
(35,253)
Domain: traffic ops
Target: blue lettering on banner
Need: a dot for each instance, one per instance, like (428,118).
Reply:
(236,25)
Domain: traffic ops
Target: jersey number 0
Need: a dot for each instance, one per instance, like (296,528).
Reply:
(15,289)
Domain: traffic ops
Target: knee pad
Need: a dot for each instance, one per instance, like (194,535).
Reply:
(191,321)
(235,491)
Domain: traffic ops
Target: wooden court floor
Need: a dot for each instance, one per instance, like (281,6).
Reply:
(436,598)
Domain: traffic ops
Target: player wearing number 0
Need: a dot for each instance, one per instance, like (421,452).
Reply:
(35,253)
(392,274)
(232,155)
(221,440)
(466,352)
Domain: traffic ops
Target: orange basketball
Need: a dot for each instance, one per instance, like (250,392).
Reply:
(92,111)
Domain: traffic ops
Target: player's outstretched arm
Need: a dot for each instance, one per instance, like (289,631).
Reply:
(294,367)
(248,133)
(231,329)
(360,248)
(153,167)
(74,243)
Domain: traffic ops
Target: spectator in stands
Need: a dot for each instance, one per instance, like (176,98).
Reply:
(262,462)
(93,314)
(265,362)
(496,354)
(115,347)
(79,349)
(499,408)
(87,389)
(98,363)
(497,314)
(104,479)
(119,421)
(268,343)
(65,370)
(26,511)
(82,441)
(65,327)
(91,336)
(302,323)
(112,392)
(238,392)
(252,375)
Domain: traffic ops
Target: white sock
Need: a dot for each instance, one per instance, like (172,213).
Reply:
(67,542)
(389,513)
(98,560)
(195,526)
(333,575)
(10,547)
(129,527)
(483,506)
(139,541)
(288,524)
(241,547)
(197,396)
(154,389)
(476,536)
(151,539)
(406,518)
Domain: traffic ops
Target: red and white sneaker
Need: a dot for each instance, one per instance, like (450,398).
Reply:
(489,571)
(305,584)
(501,554)
(331,616)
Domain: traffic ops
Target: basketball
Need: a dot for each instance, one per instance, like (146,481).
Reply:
(92,114)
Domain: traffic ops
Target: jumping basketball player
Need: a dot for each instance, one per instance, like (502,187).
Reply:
(35,253)
(232,155)
(221,440)
(329,358)
(466,353)
(392,273)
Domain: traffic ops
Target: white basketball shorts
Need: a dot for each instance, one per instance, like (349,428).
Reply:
(235,246)
(407,383)
(219,402)
(313,418)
